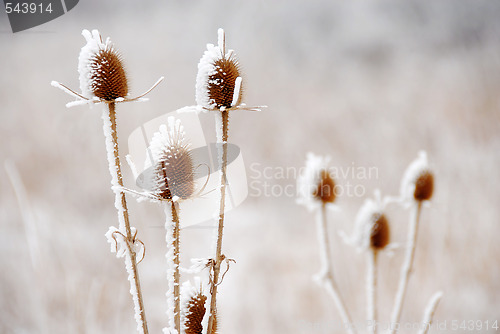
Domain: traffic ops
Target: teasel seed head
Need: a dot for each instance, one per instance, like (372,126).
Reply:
(325,190)
(424,186)
(372,229)
(195,311)
(315,184)
(219,79)
(102,74)
(172,176)
(418,181)
(380,233)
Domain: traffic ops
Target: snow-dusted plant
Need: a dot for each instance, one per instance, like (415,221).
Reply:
(193,308)
(417,187)
(316,187)
(171,180)
(103,80)
(219,89)
(371,233)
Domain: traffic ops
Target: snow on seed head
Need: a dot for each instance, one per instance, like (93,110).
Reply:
(315,184)
(219,80)
(371,227)
(102,74)
(172,174)
(418,180)
(193,308)
(380,233)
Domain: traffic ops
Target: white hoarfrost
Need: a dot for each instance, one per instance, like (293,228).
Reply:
(86,66)
(188,291)
(365,220)
(171,268)
(411,175)
(207,68)
(429,312)
(163,144)
(113,168)
(236,93)
(310,178)
(120,246)
(168,136)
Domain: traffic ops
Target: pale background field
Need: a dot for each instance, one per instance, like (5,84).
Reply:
(369,83)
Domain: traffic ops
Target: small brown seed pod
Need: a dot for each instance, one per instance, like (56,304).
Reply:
(102,74)
(325,190)
(380,232)
(173,175)
(424,186)
(219,79)
(222,82)
(108,80)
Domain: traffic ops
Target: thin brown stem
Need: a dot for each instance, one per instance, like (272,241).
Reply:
(176,247)
(123,217)
(218,254)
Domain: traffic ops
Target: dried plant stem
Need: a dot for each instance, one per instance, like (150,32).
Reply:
(429,312)
(371,289)
(407,265)
(327,280)
(222,140)
(173,295)
(111,136)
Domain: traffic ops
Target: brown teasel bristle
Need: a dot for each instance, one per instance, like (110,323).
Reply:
(424,186)
(108,78)
(175,174)
(221,84)
(325,190)
(195,313)
(380,233)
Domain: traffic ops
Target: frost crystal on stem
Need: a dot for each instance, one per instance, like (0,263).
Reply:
(111,138)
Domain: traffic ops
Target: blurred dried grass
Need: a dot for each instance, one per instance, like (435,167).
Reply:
(369,83)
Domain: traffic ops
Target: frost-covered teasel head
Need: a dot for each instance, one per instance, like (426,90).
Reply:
(371,229)
(418,180)
(102,74)
(193,308)
(219,80)
(171,176)
(315,184)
